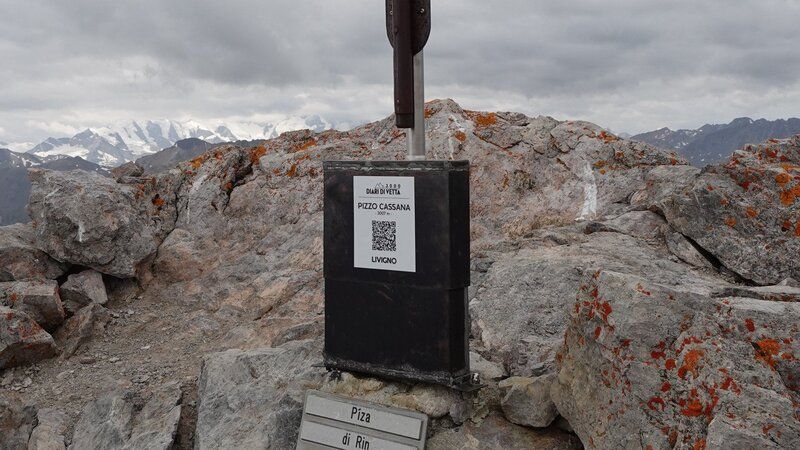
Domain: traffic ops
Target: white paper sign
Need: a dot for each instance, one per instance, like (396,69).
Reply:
(384,226)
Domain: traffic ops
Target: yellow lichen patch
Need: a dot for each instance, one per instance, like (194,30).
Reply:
(197,162)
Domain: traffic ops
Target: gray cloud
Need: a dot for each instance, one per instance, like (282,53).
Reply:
(631,65)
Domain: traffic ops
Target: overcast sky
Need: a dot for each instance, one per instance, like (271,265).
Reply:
(630,65)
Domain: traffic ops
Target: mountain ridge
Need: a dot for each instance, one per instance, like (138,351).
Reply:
(126,141)
(713,143)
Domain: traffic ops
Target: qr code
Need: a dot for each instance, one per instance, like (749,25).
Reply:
(384,235)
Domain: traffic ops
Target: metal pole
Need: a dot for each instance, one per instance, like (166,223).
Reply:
(416,135)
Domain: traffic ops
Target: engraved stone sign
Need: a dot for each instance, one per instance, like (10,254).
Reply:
(331,421)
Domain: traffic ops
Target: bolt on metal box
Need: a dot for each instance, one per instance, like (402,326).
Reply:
(397,269)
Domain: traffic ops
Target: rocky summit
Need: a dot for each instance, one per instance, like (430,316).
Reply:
(620,297)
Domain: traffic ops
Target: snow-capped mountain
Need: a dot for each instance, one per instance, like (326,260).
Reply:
(126,141)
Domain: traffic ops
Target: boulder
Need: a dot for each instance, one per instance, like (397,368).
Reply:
(527,402)
(746,212)
(493,432)
(50,430)
(90,220)
(81,289)
(521,310)
(39,299)
(88,322)
(17,420)
(115,422)
(254,399)
(22,340)
(21,260)
(652,365)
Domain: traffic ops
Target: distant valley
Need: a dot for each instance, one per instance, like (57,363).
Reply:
(711,144)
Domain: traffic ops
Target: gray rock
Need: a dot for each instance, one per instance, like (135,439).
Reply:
(129,169)
(39,299)
(683,249)
(22,340)
(745,212)
(156,425)
(777,293)
(527,402)
(81,289)
(114,422)
(254,399)
(105,423)
(17,420)
(641,224)
(20,259)
(90,321)
(646,363)
(486,369)
(522,308)
(495,433)
(50,430)
(87,219)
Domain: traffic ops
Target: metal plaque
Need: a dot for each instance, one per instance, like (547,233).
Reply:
(383,223)
(332,421)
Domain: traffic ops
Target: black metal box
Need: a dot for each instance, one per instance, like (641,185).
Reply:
(397,269)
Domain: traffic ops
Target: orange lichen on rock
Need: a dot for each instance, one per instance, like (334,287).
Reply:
(670,364)
(256,154)
(751,327)
(783,178)
(797,228)
(690,362)
(752,213)
(607,137)
(197,162)
(461,136)
(485,120)
(292,172)
(654,402)
(766,350)
(158,201)
(693,409)
(306,145)
(730,221)
(790,195)
(700,445)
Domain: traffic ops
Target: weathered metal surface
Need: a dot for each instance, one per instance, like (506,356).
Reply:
(400,324)
(421,26)
(408,25)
